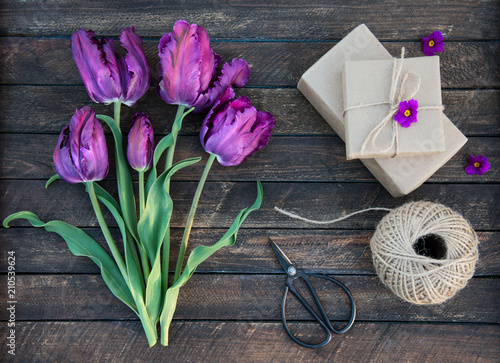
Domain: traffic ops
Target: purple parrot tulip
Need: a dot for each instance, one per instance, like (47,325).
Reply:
(140,147)
(106,75)
(233,130)
(81,154)
(188,69)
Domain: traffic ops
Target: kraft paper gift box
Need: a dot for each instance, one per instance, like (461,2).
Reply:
(322,86)
(372,91)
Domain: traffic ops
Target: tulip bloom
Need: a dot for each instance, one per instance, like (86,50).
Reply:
(140,146)
(81,154)
(106,75)
(235,129)
(188,69)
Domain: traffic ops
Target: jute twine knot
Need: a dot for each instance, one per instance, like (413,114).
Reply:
(408,84)
(416,277)
(422,279)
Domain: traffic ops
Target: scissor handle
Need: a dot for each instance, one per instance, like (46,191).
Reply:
(325,322)
(351,300)
(320,322)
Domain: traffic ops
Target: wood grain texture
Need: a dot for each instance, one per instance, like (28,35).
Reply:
(253,342)
(274,64)
(333,251)
(38,109)
(222,201)
(228,311)
(257,19)
(247,297)
(30,157)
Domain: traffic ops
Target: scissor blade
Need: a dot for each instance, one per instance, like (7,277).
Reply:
(282,258)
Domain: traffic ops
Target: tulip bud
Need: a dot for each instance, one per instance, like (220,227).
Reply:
(106,75)
(233,130)
(81,154)
(188,69)
(140,147)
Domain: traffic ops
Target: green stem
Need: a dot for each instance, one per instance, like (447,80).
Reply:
(142,201)
(144,263)
(105,231)
(190,220)
(165,260)
(117,107)
(176,126)
(171,150)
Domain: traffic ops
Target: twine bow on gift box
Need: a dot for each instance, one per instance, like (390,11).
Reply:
(408,88)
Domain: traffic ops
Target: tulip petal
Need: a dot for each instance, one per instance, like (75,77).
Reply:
(63,161)
(97,65)
(138,75)
(140,146)
(237,72)
(209,60)
(180,59)
(81,153)
(233,131)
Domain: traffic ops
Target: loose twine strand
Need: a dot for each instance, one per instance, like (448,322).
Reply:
(407,92)
(415,278)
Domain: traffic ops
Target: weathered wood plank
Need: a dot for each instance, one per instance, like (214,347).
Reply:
(331,251)
(247,297)
(49,108)
(257,19)
(222,201)
(48,61)
(316,158)
(252,342)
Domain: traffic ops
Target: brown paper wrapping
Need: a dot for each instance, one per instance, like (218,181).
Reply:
(369,82)
(322,86)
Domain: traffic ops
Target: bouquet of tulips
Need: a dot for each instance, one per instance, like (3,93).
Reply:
(232,130)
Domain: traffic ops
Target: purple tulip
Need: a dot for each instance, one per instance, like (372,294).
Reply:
(106,75)
(235,129)
(188,69)
(140,147)
(81,154)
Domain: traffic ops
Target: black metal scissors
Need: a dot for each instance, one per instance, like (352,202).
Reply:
(294,273)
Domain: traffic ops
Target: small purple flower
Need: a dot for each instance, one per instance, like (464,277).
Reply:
(477,165)
(106,75)
(434,43)
(81,154)
(407,113)
(140,146)
(188,69)
(235,129)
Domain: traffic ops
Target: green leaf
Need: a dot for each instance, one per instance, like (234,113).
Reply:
(164,144)
(200,254)
(153,223)
(152,228)
(135,278)
(81,244)
(125,186)
(136,281)
(52,179)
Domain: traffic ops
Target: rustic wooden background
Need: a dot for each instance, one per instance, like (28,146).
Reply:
(229,310)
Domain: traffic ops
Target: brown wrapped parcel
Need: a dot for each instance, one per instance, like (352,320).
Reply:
(322,86)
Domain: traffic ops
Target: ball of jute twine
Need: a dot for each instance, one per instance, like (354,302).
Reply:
(414,277)
(422,279)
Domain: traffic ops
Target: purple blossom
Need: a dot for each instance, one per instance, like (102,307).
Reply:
(81,154)
(140,146)
(188,69)
(477,165)
(233,130)
(433,43)
(106,75)
(407,113)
